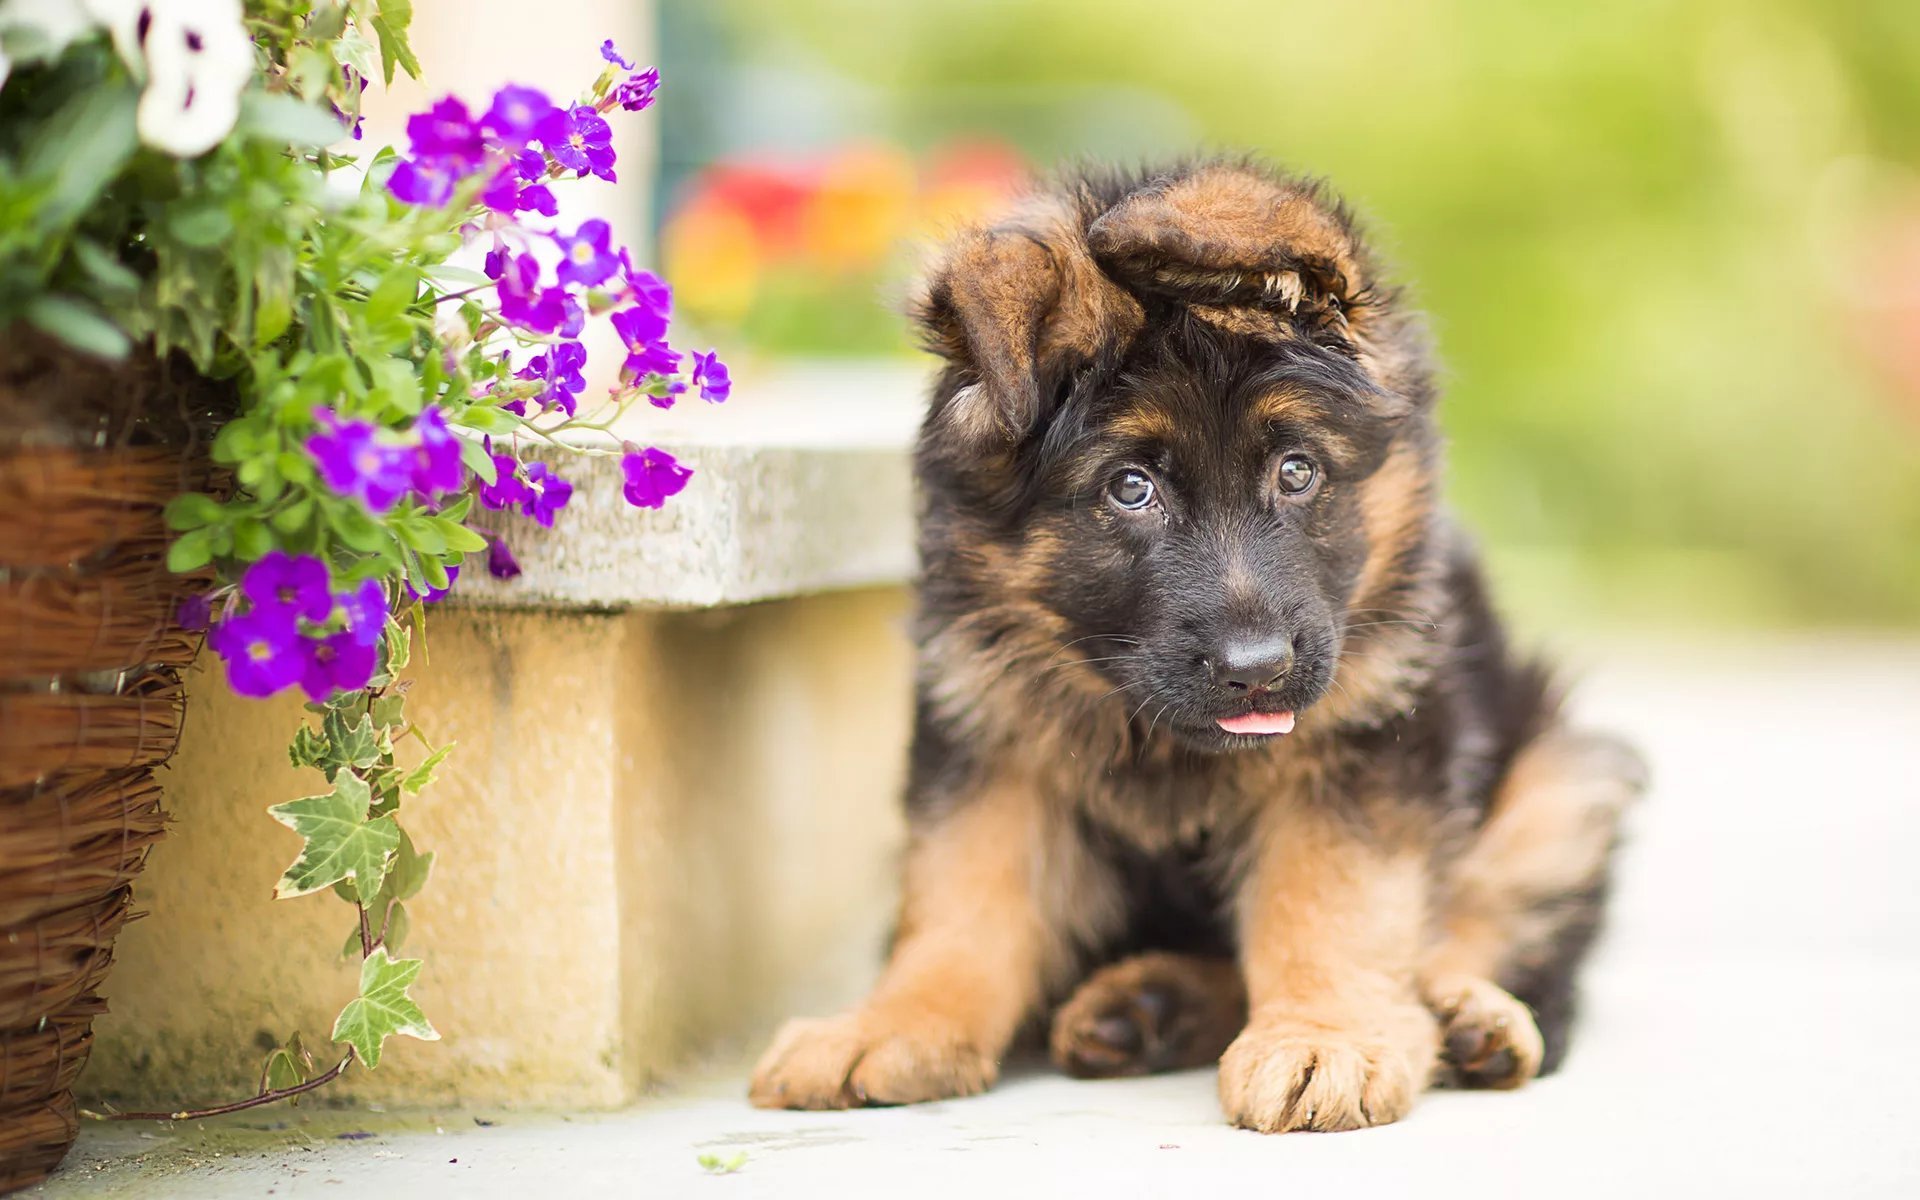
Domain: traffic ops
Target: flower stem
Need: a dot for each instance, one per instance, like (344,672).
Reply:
(265,1096)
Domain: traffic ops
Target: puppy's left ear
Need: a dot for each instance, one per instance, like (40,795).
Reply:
(1014,308)
(1228,234)
(1255,250)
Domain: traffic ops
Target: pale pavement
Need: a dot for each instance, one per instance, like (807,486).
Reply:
(1753,1024)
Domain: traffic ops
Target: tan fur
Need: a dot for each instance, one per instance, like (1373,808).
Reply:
(1225,219)
(1331,928)
(985,926)
(1551,827)
(1012,300)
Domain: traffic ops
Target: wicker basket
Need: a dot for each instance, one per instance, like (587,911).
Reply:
(90,697)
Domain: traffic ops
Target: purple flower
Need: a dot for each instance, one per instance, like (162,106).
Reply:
(537,198)
(639,325)
(292,587)
(353,463)
(427,182)
(196,612)
(507,489)
(652,358)
(549,494)
(675,389)
(505,194)
(514,119)
(436,465)
(500,561)
(560,368)
(339,662)
(645,288)
(573,317)
(531,163)
(435,594)
(522,301)
(365,610)
(652,476)
(579,139)
(711,377)
(588,257)
(613,56)
(636,93)
(496,263)
(262,649)
(447,133)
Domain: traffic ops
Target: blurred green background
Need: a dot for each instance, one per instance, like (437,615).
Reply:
(1671,250)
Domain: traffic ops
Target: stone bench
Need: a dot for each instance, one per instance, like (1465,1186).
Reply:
(671,816)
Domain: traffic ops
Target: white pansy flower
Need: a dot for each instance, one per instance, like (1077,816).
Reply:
(41,29)
(196,58)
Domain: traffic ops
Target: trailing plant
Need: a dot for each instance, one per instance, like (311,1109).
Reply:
(399,329)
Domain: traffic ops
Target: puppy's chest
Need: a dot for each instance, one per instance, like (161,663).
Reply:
(1184,809)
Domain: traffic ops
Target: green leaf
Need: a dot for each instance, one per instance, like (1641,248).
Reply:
(281,1072)
(251,540)
(353,745)
(340,842)
(294,515)
(279,117)
(357,529)
(422,776)
(475,457)
(201,226)
(459,537)
(389,711)
(715,1165)
(420,534)
(392,296)
(399,925)
(106,270)
(390,27)
(409,871)
(309,748)
(397,645)
(383,1009)
(80,149)
(190,551)
(191,511)
(79,325)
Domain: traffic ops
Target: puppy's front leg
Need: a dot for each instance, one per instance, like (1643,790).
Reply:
(1331,922)
(966,970)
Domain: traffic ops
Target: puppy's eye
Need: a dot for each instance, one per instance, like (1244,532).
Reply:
(1297,474)
(1132,490)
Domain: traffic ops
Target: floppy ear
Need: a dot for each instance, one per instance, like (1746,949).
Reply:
(1232,235)
(1013,308)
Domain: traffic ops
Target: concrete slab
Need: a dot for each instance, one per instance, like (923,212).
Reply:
(1750,1028)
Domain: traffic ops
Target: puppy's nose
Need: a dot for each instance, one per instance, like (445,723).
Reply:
(1248,664)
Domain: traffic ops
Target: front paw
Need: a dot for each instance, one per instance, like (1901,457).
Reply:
(867,1057)
(1281,1075)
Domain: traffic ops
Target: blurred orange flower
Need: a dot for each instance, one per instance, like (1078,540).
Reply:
(757,230)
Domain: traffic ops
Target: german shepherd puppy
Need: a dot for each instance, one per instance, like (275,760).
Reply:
(1218,740)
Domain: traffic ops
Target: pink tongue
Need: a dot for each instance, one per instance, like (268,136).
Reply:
(1258,723)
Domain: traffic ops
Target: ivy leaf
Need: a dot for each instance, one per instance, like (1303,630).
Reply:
(410,869)
(383,1009)
(398,926)
(423,775)
(390,27)
(309,748)
(341,843)
(389,711)
(353,745)
(289,1065)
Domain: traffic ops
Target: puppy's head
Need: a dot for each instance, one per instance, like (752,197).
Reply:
(1181,452)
